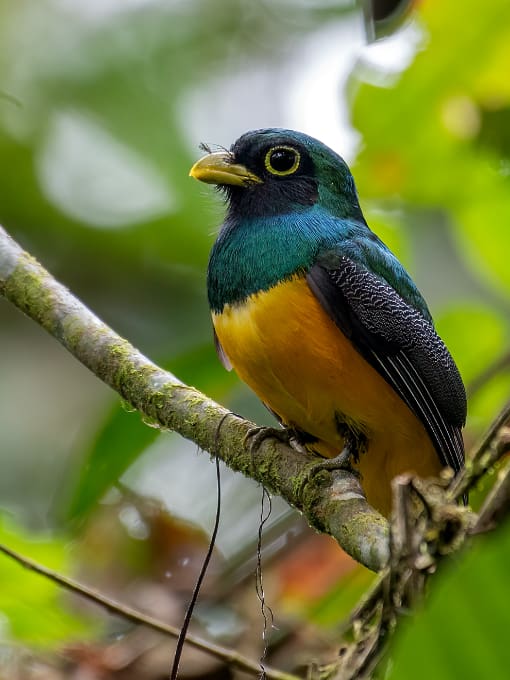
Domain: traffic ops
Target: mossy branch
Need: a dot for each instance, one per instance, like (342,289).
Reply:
(427,525)
(333,503)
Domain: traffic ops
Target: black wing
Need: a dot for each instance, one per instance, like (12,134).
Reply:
(400,344)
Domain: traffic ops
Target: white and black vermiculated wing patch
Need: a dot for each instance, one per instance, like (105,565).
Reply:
(400,344)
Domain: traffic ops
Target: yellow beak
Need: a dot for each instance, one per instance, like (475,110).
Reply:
(218,168)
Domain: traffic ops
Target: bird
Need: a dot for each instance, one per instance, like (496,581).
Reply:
(321,320)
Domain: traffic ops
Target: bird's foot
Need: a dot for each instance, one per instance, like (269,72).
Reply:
(349,454)
(340,462)
(286,435)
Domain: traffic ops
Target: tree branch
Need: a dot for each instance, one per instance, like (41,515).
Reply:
(427,525)
(229,656)
(333,503)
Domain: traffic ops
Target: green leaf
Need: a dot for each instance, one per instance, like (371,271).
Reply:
(489,401)
(483,235)
(121,440)
(31,605)
(439,138)
(476,336)
(463,630)
(339,602)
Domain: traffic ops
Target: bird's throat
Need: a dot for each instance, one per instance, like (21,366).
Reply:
(252,255)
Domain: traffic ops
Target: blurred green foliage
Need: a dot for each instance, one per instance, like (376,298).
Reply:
(435,151)
(31,606)
(102,107)
(462,630)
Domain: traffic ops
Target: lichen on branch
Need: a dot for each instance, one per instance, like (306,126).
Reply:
(333,503)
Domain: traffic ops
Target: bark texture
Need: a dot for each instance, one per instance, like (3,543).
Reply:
(333,503)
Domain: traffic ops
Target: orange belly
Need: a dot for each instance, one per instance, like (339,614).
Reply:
(286,348)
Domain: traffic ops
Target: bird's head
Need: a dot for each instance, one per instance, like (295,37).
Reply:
(275,172)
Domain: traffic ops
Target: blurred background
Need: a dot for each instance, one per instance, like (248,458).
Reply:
(102,107)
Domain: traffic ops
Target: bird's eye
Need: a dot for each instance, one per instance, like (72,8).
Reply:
(282,160)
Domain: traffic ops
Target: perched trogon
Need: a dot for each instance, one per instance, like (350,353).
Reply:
(321,320)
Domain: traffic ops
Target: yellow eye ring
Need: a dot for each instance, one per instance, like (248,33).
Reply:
(282,160)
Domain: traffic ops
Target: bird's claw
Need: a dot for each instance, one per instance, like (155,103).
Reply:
(286,435)
(341,462)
